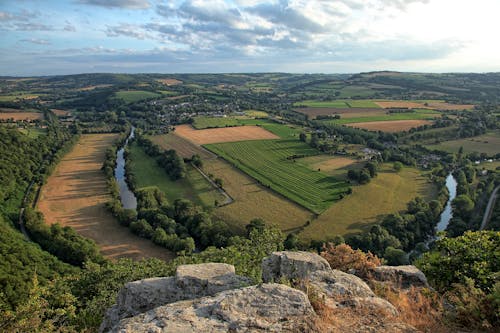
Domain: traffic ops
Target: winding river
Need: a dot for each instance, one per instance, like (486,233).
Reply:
(127,197)
(447,214)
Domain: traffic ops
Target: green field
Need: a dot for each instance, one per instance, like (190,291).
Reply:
(388,117)
(194,187)
(322,104)
(362,103)
(281,130)
(203,122)
(256,114)
(387,193)
(131,96)
(266,161)
(488,143)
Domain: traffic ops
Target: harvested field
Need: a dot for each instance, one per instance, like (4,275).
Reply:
(387,193)
(21,115)
(438,105)
(169,82)
(327,163)
(60,113)
(253,200)
(228,134)
(343,112)
(184,148)
(75,196)
(390,126)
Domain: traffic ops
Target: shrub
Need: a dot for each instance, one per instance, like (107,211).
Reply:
(345,258)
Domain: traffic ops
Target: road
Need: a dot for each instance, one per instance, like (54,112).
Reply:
(489,207)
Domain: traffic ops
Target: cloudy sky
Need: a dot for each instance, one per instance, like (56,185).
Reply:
(327,36)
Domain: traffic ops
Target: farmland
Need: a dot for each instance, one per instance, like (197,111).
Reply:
(20,116)
(75,196)
(336,166)
(390,126)
(194,187)
(228,134)
(184,148)
(387,193)
(253,200)
(130,96)
(488,143)
(386,117)
(271,163)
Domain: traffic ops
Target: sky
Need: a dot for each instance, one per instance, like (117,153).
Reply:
(214,36)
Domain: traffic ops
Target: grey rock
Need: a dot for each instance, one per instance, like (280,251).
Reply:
(373,304)
(190,282)
(337,284)
(404,276)
(264,308)
(292,265)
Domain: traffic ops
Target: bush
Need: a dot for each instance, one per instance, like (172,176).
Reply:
(345,258)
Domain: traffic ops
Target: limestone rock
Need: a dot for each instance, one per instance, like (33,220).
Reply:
(405,276)
(337,284)
(264,308)
(292,265)
(190,282)
(374,304)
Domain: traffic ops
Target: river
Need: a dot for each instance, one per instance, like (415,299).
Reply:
(447,214)
(127,197)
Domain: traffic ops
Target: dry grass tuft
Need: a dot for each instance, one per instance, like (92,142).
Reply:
(345,258)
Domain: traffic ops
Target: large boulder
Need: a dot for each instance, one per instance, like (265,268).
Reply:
(190,282)
(296,265)
(373,304)
(264,308)
(403,276)
(337,284)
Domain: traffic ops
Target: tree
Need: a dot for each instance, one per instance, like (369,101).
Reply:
(255,224)
(302,137)
(475,255)
(397,166)
(395,257)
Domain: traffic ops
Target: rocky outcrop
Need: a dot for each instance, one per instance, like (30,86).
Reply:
(212,298)
(190,282)
(402,276)
(291,265)
(264,308)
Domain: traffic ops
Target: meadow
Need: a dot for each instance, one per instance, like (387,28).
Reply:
(193,187)
(76,193)
(131,96)
(387,193)
(488,143)
(272,164)
(183,147)
(253,200)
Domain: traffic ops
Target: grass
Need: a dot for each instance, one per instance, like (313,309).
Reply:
(75,196)
(253,200)
(361,103)
(488,143)
(203,122)
(183,147)
(131,96)
(268,162)
(322,104)
(388,117)
(256,114)
(194,187)
(336,166)
(387,193)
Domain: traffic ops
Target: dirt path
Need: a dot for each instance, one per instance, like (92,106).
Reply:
(75,196)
